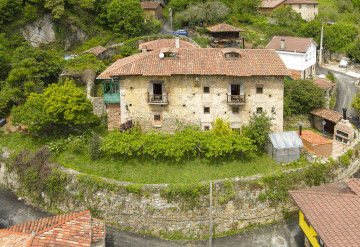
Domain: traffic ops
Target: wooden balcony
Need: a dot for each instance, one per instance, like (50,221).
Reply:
(157,99)
(235,99)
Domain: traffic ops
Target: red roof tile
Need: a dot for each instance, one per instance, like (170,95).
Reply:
(323,84)
(163,43)
(328,114)
(292,44)
(96,50)
(333,211)
(199,61)
(150,5)
(301,1)
(271,3)
(314,138)
(73,229)
(223,27)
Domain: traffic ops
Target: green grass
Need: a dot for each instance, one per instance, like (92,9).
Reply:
(98,91)
(202,42)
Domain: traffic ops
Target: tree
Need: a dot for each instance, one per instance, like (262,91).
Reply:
(259,128)
(61,104)
(245,6)
(301,97)
(339,35)
(356,103)
(9,9)
(125,17)
(354,50)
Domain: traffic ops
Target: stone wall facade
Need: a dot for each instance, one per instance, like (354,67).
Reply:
(187,100)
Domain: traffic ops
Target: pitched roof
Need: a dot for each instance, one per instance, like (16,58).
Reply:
(96,50)
(314,138)
(292,44)
(301,1)
(323,84)
(223,27)
(78,229)
(328,114)
(333,211)
(271,3)
(163,43)
(150,5)
(199,61)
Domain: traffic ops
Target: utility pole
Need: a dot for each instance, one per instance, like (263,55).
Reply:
(210,221)
(170,10)
(321,43)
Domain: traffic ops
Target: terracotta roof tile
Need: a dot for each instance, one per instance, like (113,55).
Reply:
(73,229)
(292,44)
(163,43)
(96,50)
(223,27)
(323,84)
(150,5)
(314,138)
(199,61)
(332,211)
(301,1)
(328,114)
(271,3)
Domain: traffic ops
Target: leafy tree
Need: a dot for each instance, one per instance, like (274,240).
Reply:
(86,61)
(259,128)
(301,97)
(356,103)
(221,126)
(125,17)
(287,17)
(338,35)
(245,6)
(9,9)
(354,50)
(56,7)
(61,104)
(30,12)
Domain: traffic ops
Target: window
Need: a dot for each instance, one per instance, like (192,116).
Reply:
(299,6)
(206,127)
(232,55)
(235,89)
(342,133)
(235,110)
(170,55)
(206,89)
(259,89)
(259,110)
(206,110)
(157,117)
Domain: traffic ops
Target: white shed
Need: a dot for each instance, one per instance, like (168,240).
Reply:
(284,147)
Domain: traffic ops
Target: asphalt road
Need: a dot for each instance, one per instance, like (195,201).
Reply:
(346,90)
(14,211)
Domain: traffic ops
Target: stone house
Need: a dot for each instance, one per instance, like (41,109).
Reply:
(161,88)
(308,9)
(152,10)
(268,6)
(298,54)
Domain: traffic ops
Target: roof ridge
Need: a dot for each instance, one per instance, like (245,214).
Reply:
(14,232)
(62,222)
(324,193)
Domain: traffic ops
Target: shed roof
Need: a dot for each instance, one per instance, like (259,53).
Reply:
(292,44)
(96,50)
(150,5)
(269,4)
(199,61)
(323,84)
(333,211)
(327,114)
(288,139)
(314,138)
(223,27)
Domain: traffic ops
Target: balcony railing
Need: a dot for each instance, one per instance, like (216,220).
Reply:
(157,99)
(235,99)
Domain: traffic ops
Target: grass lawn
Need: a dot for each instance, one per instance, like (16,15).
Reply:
(149,171)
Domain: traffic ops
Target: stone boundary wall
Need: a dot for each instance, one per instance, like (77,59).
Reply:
(295,120)
(148,211)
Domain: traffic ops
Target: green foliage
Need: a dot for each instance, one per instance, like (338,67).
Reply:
(203,42)
(301,97)
(354,50)
(345,159)
(262,196)
(339,35)
(287,17)
(125,17)
(86,61)
(151,27)
(317,174)
(228,192)
(60,104)
(126,51)
(94,147)
(134,188)
(356,103)
(9,9)
(221,126)
(259,128)
(30,12)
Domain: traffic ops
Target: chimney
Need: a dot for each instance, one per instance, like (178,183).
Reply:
(177,42)
(344,113)
(300,128)
(282,44)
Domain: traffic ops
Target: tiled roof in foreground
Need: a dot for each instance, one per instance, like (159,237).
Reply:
(200,61)
(73,229)
(333,211)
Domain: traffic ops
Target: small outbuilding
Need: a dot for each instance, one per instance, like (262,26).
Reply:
(152,10)
(284,147)
(224,35)
(316,144)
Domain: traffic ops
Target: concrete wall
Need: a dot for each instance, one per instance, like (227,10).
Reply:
(307,11)
(186,102)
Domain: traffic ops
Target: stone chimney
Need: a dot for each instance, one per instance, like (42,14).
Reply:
(282,44)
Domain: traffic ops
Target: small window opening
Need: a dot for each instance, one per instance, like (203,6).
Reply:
(235,110)
(206,89)
(206,127)
(207,110)
(259,110)
(157,117)
(232,55)
(259,90)
(170,55)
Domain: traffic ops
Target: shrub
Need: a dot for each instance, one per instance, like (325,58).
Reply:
(94,147)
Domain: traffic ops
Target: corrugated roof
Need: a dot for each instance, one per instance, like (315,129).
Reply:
(328,114)
(163,43)
(199,61)
(292,44)
(288,139)
(314,138)
(333,211)
(73,229)
(223,27)
(323,84)
(271,3)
